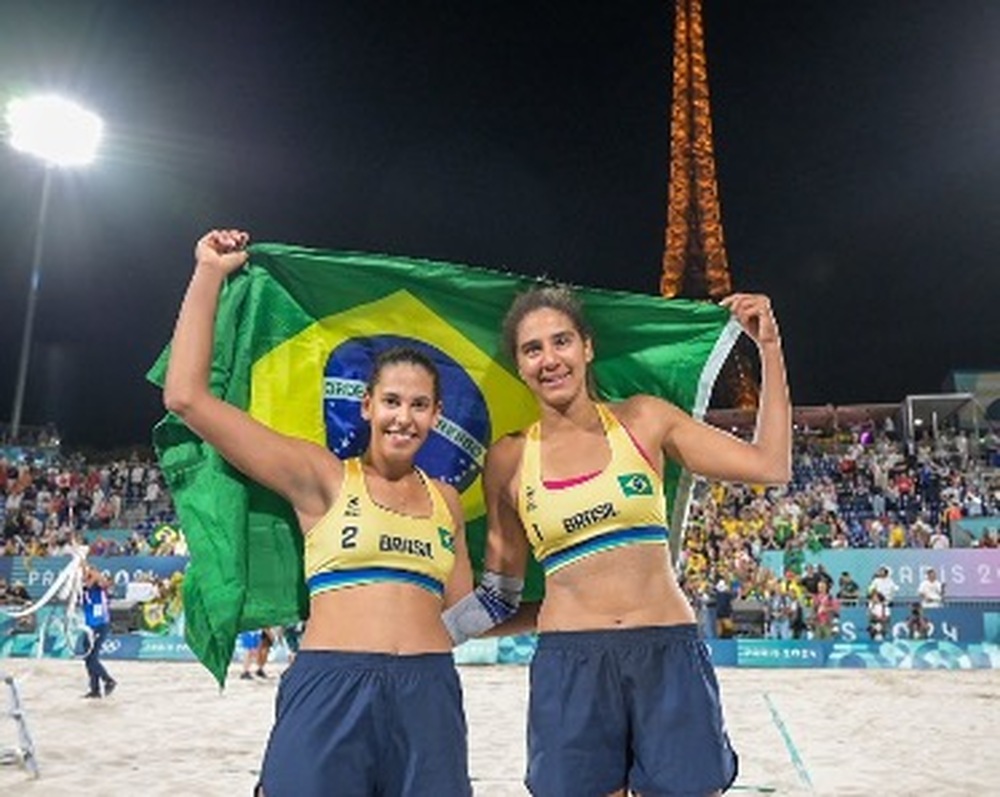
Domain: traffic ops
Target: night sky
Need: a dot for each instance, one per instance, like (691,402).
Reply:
(857,146)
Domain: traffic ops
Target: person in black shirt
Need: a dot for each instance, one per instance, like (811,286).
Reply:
(848,589)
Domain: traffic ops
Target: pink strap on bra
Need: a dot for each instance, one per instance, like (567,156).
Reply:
(559,484)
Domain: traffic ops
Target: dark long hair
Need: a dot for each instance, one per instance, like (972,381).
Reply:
(404,354)
(560,298)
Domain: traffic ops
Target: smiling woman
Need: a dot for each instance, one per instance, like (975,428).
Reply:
(385,552)
(619,668)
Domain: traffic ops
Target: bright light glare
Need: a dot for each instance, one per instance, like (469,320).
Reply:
(56,130)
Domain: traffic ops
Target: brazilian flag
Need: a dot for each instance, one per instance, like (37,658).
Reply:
(296,333)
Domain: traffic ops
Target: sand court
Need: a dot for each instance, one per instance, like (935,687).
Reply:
(168,730)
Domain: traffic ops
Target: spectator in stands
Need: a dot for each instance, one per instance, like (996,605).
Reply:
(953,512)
(883,584)
(724,626)
(793,556)
(859,473)
(879,616)
(799,625)
(17,593)
(877,532)
(897,534)
(848,590)
(920,533)
(991,447)
(825,612)
(780,610)
(961,443)
(917,624)
(822,576)
(841,540)
(42,502)
(810,580)
(931,590)
(939,540)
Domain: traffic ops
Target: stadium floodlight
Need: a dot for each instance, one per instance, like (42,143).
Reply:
(60,133)
(57,130)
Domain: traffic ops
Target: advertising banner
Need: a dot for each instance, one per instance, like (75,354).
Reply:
(779,653)
(37,573)
(951,623)
(967,573)
(914,655)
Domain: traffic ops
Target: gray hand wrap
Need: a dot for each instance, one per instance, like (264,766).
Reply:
(493,601)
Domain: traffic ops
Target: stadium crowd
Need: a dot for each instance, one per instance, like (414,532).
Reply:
(854,488)
(851,488)
(50,504)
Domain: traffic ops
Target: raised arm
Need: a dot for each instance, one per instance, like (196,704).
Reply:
(300,471)
(94,576)
(715,454)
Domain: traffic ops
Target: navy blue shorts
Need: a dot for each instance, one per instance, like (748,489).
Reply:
(368,724)
(636,708)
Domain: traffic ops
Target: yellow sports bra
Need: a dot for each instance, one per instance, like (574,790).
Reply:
(621,505)
(360,542)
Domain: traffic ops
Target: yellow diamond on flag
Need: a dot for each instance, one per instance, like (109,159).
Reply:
(287,384)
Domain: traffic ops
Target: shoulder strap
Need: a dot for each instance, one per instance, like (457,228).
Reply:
(531,455)
(440,511)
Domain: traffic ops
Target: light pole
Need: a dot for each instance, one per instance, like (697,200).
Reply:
(60,133)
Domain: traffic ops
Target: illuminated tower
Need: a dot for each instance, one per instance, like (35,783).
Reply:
(695,265)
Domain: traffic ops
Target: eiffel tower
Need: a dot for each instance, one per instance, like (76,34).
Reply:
(695,265)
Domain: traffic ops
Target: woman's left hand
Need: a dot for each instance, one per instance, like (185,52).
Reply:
(753,311)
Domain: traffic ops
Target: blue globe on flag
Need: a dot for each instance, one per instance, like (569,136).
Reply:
(454,451)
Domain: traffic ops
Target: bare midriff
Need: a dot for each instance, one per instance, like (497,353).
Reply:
(621,588)
(377,618)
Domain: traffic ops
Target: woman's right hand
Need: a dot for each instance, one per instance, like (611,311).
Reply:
(222,250)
